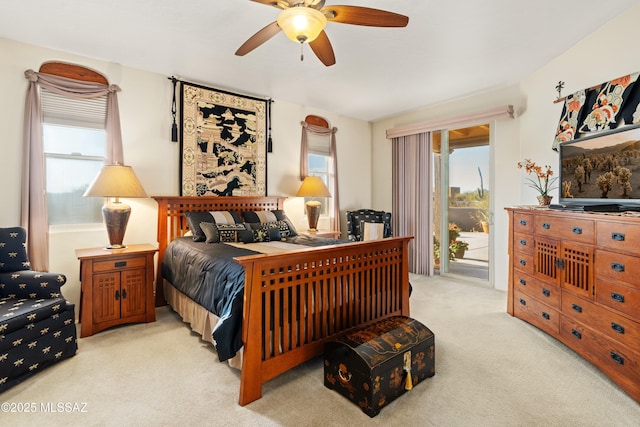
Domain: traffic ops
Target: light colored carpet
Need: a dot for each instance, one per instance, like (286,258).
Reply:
(491,370)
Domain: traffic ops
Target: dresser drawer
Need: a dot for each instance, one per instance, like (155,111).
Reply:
(618,268)
(538,314)
(522,223)
(523,242)
(119,264)
(609,323)
(574,229)
(523,261)
(543,292)
(619,236)
(619,297)
(616,360)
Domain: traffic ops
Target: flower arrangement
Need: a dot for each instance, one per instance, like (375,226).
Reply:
(454,231)
(544,183)
(458,245)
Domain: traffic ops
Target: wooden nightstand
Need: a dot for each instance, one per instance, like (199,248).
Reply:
(322,233)
(117,287)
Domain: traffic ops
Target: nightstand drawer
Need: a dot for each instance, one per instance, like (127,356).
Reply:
(118,264)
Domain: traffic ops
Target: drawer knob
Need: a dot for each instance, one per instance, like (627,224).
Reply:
(117,295)
(523,302)
(617,358)
(576,334)
(546,225)
(523,222)
(523,242)
(576,308)
(577,230)
(617,297)
(546,315)
(523,262)
(618,328)
(121,263)
(523,282)
(616,266)
(546,292)
(617,236)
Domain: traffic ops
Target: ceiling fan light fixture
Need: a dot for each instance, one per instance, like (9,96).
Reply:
(302,24)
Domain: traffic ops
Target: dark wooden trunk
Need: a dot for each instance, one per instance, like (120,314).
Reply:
(370,366)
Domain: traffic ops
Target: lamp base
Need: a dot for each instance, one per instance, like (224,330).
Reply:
(116,217)
(313,214)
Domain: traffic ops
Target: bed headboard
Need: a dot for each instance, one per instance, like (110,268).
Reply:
(173,224)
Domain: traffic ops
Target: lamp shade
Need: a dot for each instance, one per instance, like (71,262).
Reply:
(313,186)
(116,181)
(302,24)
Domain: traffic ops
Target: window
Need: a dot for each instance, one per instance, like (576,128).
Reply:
(320,162)
(74,143)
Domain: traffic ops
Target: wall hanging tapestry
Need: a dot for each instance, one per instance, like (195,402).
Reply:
(223,143)
(610,105)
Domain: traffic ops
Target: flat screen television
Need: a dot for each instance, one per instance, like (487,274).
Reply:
(601,172)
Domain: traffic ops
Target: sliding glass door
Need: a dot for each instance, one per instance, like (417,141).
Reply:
(461,202)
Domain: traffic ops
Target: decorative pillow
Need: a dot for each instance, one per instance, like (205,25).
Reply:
(282,228)
(372,230)
(260,233)
(281,216)
(216,233)
(259,217)
(194,219)
(210,231)
(229,232)
(226,217)
(13,249)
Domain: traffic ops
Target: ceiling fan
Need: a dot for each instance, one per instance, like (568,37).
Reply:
(303,21)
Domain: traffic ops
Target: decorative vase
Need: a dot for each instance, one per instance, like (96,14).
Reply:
(544,200)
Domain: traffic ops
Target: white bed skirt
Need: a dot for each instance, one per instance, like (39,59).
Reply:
(200,320)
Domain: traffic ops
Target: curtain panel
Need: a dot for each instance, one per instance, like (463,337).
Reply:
(304,164)
(34,202)
(411,199)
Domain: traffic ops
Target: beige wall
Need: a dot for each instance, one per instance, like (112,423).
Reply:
(606,54)
(145,105)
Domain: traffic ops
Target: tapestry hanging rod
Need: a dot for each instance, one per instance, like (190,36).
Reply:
(225,90)
(560,99)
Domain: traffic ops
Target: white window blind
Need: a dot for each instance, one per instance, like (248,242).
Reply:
(62,110)
(319,144)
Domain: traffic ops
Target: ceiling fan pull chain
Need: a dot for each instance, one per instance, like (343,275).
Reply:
(301,52)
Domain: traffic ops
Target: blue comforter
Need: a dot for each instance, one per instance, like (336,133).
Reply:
(208,275)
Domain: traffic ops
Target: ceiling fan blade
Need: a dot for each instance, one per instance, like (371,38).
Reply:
(274,3)
(258,38)
(321,46)
(357,15)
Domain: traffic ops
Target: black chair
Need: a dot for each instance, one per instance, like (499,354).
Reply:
(356,221)
(37,325)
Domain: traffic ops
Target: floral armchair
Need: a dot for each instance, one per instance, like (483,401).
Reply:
(37,325)
(358,224)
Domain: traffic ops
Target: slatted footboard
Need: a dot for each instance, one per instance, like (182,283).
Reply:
(294,302)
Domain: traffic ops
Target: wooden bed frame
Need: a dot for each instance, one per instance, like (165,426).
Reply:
(313,294)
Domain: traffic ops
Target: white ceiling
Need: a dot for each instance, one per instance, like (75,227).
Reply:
(449,49)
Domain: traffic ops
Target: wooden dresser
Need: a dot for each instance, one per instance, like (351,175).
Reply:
(576,276)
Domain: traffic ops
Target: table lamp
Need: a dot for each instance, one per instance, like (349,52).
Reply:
(313,186)
(116,181)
